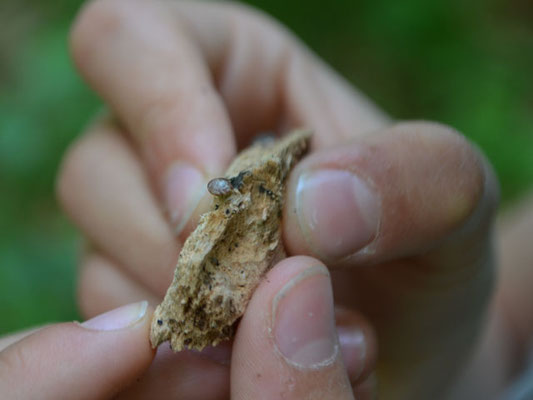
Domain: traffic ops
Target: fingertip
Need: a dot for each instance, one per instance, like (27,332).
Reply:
(386,194)
(95,359)
(287,342)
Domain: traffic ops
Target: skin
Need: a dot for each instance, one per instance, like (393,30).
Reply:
(193,82)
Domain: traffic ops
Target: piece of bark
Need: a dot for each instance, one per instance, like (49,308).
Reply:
(231,249)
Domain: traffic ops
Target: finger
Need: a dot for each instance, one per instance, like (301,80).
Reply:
(94,360)
(103,285)
(358,344)
(171,375)
(286,344)
(396,193)
(138,58)
(104,190)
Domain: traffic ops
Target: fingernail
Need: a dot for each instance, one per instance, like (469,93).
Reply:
(184,187)
(119,318)
(304,324)
(337,211)
(353,350)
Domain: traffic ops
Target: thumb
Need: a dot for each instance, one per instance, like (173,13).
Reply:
(92,360)
(286,344)
(393,193)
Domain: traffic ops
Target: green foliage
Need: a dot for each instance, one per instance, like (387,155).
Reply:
(466,64)
(41,111)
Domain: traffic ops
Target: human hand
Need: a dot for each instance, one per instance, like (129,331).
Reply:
(400,214)
(105,357)
(92,360)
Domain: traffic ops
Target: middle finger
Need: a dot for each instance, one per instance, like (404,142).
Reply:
(106,192)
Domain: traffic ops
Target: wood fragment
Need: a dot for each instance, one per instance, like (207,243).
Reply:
(231,249)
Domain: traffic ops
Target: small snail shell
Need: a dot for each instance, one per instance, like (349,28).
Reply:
(219,187)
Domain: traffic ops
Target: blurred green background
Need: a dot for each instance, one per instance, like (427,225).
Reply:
(468,64)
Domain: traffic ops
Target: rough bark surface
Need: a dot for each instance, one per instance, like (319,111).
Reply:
(231,249)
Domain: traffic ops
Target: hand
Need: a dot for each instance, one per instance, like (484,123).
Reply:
(400,214)
(104,357)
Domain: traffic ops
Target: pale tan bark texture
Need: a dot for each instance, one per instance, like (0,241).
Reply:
(232,248)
